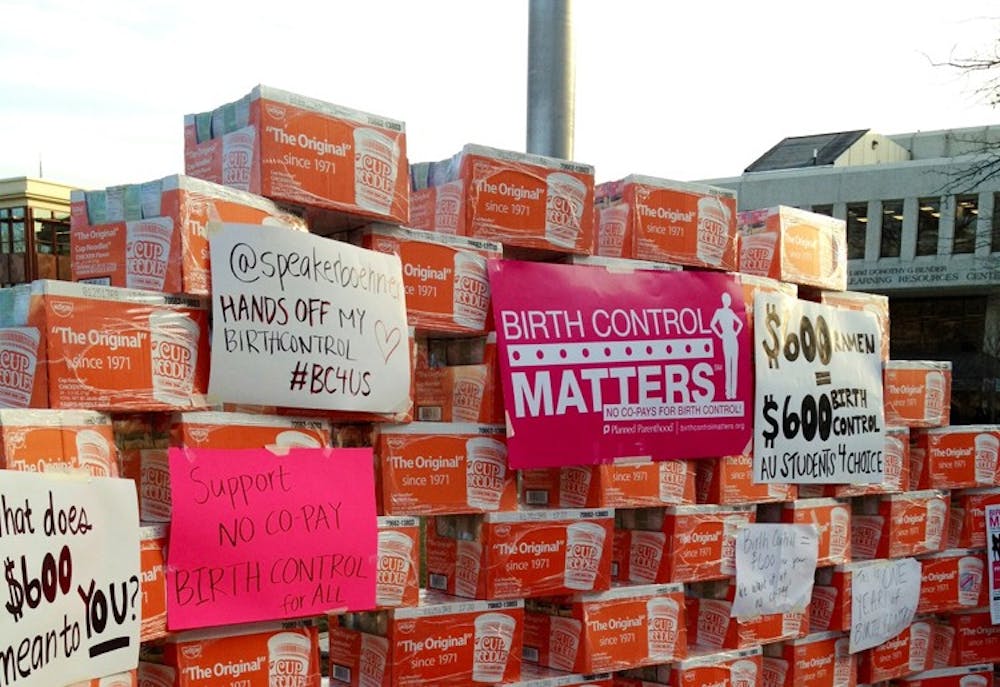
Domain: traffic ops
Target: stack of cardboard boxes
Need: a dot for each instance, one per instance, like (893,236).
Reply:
(583,576)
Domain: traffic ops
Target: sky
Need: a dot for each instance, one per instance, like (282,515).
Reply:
(95,92)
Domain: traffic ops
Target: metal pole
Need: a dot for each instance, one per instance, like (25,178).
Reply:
(551,78)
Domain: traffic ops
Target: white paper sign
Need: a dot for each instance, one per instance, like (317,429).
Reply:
(884,600)
(71,589)
(775,565)
(306,322)
(993,556)
(818,416)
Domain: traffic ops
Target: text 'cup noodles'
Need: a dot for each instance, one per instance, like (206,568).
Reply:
(645,555)
(395,556)
(376,161)
(18,361)
(471,291)
(584,548)
(612,230)
(743,674)
(486,472)
(288,657)
(574,486)
(713,230)
(174,356)
(93,453)
(564,206)
(987,447)
(564,642)
(970,580)
(373,660)
(662,617)
(147,252)
(494,634)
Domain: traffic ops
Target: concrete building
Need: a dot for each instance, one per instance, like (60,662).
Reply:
(923,226)
(34,230)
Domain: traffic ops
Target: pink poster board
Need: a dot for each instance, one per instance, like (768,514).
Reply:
(258,536)
(600,364)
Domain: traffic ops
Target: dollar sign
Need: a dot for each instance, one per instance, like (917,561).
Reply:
(16,604)
(772,347)
(771,432)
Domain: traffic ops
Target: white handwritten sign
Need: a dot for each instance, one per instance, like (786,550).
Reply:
(819,416)
(884,600)
(775,565)
(306,322)
(71,590)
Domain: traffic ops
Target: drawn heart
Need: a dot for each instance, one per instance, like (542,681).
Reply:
(387,340)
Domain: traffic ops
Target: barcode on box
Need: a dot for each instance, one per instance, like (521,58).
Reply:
(438,582)
(429,413)
(342,674)
(536,497)
(530,654)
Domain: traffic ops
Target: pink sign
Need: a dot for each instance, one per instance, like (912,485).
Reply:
(257,536)
(599,365)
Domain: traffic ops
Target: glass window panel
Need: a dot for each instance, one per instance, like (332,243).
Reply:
(823,210)
(857,228)
(995,226)
(928,223)
(892,228)
(966,214)
(17,213)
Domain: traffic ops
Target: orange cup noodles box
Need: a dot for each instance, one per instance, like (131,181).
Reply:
(520,554)
(397,581)
(977,640)
(821,659)
(952,580)
(19,358)
(246,430)
(457,393)
(917,393)
(623,484)
(668,221)
(961,676)
(74,441)
(533,675)
(302,151)
(968,516)
(959,456)
(156,675)
(830,606)
(439,468)
(895,458)
(729,481)
(440,209)
(444,641)
(907,524)
(911,651)
(444,277)
(743,668)
(832,517)
(153,235)
(153,484)
(873,303)
(944,642)
(521,200)
(680,543)
(152,546)
(121,349)
(258,655)
(711,625)
(126,679)
(794,245)
(626,265)
(625,627)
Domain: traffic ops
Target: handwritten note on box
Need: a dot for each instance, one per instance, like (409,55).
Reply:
(258,536)
(884,598)
(775,565)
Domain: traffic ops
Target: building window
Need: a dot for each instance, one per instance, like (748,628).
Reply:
(823,210)
(857,226)
(928,221)
(966,214)
(892,228)
(995,227)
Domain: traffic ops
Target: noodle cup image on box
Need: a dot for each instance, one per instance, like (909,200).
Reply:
(961,676)
(818,659)
(121,349)
(20,356)
(917,393)
(679,543)
(441,468)
(58,441)
(259,655)
(444,277)
(959,456)
(711,625)
(521,200)
(218,430)
(952,580)
(625,484)
(443,641)
(742,668)
(794,245)
(339,164)
(153,236)
(669,221)
(520,554)
(626,627)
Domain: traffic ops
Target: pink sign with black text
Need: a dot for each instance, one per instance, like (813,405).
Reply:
(601,364)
